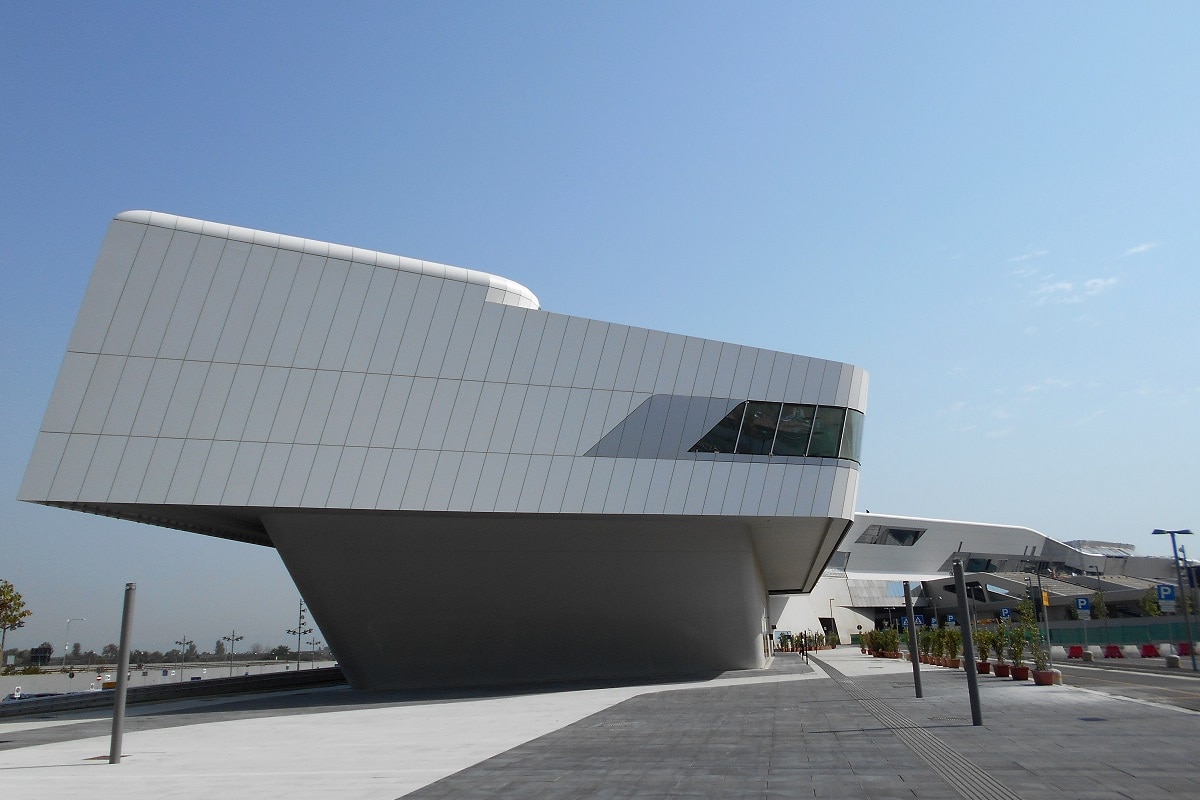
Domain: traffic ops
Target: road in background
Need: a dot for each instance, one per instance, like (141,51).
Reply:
(1179,688)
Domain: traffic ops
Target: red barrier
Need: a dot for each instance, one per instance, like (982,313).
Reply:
(1075,651)
(1113,651)
(1185,648)
(1149,651)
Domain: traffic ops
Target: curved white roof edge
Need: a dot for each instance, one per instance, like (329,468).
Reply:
(915,575)
(500,290)
(876,515)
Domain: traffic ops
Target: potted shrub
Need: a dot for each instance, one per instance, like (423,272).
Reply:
(892,636)
(925,643)
(953,645)
(983,644)
(1016,651)
(939,646)
(1042,674)
(999,645)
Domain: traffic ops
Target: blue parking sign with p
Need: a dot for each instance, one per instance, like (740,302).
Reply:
(1166,592)
(1083,604)
(1005,613)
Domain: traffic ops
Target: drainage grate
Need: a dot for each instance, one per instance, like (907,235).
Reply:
(1093,719)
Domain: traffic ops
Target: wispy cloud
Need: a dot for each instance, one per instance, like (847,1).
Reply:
(1141,248)
(1048,383)
(1092,417)
(1029,255)
(1071,292)
(1000,433)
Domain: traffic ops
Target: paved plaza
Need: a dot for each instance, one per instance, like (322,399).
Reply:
(844,726)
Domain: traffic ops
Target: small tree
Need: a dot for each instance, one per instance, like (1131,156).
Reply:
(953,642)
(982,639)
(1015,636)
(110,652)
(1149,604)
(1000,643)
(1099,607)
(12,611)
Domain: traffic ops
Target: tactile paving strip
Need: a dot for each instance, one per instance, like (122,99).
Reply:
(961,774)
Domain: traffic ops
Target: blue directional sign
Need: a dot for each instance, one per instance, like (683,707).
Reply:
(1005,613)
(1083,604)
(950,619)
(904,622)
(920,618)
(933,620)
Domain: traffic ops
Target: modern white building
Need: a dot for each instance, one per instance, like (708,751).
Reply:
(466,489)
(863,583)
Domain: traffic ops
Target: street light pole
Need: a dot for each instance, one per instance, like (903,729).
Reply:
(314,643)
(67,637)
(1187,616)
(183,646)
(298,632)
(1045,619)
(233,639)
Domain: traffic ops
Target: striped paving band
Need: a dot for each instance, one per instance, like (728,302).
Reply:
(962,775)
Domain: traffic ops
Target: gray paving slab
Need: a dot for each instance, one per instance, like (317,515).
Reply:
(868,737)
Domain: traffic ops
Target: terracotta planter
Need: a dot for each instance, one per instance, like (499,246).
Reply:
(954,663)
(1002,670)
(1043,677)
(1020,673)
(983,667)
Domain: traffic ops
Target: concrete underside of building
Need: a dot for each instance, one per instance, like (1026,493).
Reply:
(465,488)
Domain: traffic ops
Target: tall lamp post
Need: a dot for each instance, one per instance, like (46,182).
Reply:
(183,643)
(299,632)
(67,637)
(233,639)
(1187,616)
(314,643)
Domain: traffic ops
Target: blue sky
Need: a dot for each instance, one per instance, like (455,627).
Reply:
(991,207)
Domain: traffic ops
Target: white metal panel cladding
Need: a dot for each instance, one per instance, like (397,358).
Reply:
(312,310)
(219,374)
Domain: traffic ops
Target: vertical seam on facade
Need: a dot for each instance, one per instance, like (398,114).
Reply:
(408,321)
(124,285)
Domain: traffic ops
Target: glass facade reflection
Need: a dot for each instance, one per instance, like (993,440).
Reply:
(757,428)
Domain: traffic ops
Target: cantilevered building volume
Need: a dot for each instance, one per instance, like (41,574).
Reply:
(465,488)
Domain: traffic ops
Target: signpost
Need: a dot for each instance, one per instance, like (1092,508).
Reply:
(1166,598)
(1083,607)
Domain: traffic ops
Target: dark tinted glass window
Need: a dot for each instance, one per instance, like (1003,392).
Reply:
(827,432)
(795,424)
(758,429)
(852,438)
(722,438)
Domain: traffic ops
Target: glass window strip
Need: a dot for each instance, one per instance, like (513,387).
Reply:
(844,443)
